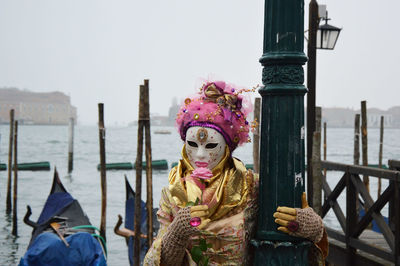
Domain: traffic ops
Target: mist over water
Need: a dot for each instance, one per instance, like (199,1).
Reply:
(50,143)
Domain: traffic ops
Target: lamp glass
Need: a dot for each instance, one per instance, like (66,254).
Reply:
(327,37)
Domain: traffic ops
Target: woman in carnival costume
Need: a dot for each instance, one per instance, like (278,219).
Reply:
(207,213)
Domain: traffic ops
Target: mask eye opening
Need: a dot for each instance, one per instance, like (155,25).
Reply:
(192,143)
(211,145)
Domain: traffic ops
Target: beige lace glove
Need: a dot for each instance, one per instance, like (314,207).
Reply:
(298,222)
(310,225)
(177,237)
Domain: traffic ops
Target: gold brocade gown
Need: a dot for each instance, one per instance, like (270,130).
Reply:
(231,195)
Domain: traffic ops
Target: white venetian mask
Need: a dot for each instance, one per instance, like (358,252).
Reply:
(205,147)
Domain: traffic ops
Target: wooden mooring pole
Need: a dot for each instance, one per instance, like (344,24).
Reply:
(364,141)
(10,152)
(356,155)
(318,118)
(380,154)
(316,163)
(139,155)
(15,190)
(256,136)
(149,174)
(103,180)
(317,179)
(71,145)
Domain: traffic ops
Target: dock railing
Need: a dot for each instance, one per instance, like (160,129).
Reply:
(349,247)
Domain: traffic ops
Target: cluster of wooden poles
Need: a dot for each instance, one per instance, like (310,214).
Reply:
(143,134)
(143,125)
(358,130)
(13,167)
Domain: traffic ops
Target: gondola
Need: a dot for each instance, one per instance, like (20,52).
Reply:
(128,231)
(63,234)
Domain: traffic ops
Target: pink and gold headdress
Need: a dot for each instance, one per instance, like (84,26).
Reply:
(220,106)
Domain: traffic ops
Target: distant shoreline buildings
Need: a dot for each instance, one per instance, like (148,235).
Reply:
(36,108)
(344,117)
(333,116)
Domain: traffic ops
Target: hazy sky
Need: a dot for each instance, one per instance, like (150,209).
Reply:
(100,51)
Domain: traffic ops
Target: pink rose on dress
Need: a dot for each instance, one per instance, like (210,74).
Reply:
(199,175)
(202,173)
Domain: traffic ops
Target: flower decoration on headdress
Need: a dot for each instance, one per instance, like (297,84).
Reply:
(220,106)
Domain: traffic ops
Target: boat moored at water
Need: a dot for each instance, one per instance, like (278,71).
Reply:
(63,234)
(128,231)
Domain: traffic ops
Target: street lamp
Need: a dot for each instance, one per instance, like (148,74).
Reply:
(319,37)
(327,35)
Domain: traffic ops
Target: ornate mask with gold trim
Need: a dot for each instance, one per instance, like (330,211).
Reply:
(205,147)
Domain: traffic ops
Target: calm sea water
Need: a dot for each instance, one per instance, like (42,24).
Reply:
(50,143)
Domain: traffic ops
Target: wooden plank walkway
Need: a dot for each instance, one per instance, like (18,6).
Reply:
(372,238)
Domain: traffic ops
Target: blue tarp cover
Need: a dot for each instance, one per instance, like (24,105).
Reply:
(54,204)
(375,226)
(49,249)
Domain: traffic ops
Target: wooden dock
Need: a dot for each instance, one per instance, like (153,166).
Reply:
(368,236)
(356,244)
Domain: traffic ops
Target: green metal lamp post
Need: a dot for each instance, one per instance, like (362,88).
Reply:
(282,131)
